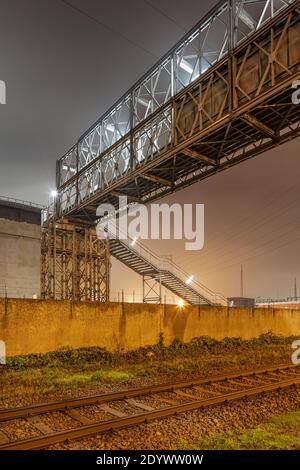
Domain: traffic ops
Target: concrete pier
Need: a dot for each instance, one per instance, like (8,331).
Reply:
(20,246)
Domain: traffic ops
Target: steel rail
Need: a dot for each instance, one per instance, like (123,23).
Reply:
(42,408)
(141,418)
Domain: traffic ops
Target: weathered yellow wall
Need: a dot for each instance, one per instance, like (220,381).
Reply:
(37,326)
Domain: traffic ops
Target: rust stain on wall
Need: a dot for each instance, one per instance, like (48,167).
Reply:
(38,326)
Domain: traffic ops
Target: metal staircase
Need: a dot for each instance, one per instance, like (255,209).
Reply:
(164,272)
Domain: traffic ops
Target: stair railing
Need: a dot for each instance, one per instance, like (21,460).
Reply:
(166,265)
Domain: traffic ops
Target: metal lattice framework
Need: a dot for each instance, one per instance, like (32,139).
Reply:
(152,289)
(74,264)
(220,96)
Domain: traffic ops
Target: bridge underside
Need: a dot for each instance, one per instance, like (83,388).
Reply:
(270,124)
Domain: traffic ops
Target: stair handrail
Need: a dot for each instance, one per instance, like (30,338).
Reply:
(136,246)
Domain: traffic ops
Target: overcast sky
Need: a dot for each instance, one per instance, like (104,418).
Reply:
(63,70)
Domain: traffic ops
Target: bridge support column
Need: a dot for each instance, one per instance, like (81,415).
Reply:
(75,263)
(152,289)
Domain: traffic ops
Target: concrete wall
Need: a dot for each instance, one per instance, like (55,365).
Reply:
(19,258)
(37,326)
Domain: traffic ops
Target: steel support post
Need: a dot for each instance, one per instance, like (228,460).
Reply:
(75,263)
(152,289)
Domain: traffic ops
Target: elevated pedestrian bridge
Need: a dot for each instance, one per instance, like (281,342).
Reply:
(223,94)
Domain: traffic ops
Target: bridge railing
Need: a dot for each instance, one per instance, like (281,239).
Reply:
(225,27)
(22,202)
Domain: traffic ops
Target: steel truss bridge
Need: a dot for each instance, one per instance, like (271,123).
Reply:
(222,95)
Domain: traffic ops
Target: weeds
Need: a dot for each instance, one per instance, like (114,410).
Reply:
(203,345)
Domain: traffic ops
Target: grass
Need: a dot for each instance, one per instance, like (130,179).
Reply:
(61,376)
(280,433)
(70,379)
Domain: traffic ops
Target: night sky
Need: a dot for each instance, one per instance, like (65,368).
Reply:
(65,66)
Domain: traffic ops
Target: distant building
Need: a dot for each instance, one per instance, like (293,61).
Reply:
(20,245)
(240,302)
(285,303)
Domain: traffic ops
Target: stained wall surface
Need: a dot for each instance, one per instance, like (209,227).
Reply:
(20,245)
(39,326)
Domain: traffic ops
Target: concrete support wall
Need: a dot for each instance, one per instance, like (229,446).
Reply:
(19,258)
(36,326)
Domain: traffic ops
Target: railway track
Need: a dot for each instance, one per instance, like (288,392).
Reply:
(86,416)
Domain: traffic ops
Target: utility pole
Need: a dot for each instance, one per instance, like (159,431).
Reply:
(242,282)
(295,289)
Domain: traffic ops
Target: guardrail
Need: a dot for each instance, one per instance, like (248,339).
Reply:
(20,201)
